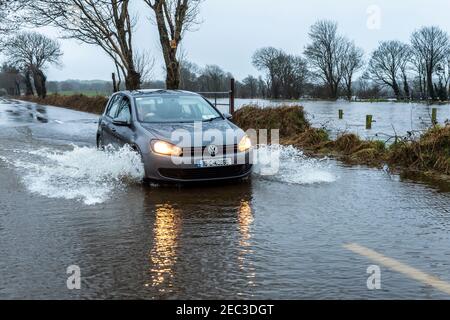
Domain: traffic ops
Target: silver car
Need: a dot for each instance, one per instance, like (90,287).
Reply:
(180,136)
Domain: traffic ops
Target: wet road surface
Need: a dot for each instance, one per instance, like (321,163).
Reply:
(286,236)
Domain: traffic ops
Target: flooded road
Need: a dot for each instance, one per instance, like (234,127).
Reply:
(64,203)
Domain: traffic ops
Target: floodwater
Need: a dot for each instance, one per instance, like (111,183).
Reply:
(390,118)
(64,203)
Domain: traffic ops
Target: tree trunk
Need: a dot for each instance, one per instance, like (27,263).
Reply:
(431,92)
(169,48)
(173,75)
(133,80)
(349,90)
(39,82)
(406,88)
(29,91)
(17,90)
(396,89)
(334,91)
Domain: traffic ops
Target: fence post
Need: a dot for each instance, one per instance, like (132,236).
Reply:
(434,116)
(232,95)
(341,114)
(369,119)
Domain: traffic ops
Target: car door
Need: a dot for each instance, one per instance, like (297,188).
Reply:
(123,133)
(107,126)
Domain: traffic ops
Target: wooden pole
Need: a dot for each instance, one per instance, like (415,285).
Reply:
(232,95)
(434,116)
(341,114)
(369,120)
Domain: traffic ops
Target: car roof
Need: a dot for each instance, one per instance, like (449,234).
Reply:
(149,92)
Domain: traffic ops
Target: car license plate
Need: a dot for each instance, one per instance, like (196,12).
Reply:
(214,163)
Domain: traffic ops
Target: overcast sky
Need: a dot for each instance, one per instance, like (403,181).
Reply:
(233,29)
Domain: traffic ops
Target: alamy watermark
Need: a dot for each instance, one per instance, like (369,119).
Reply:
(374,280)
(374,17)
(74,280)
(225,144)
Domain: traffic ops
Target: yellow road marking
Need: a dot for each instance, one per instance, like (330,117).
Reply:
(400,267)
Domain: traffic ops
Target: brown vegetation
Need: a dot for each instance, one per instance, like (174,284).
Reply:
(290,120)
(431,152)
(77,102)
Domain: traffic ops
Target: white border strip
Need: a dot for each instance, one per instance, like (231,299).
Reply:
(400,267)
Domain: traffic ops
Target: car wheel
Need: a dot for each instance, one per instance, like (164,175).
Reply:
(138,151)
(100,145)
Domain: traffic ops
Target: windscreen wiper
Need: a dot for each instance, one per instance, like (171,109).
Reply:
(211,119)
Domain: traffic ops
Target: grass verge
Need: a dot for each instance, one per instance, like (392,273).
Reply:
(78,102)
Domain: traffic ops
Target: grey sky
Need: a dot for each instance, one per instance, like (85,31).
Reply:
(233,29)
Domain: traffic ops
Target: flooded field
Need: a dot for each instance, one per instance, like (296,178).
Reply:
(64,203)
(390,118)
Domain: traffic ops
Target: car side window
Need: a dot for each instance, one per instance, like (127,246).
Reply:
(112,111)
(124,112)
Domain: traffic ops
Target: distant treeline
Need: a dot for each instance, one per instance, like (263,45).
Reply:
(330,67)
(193,78)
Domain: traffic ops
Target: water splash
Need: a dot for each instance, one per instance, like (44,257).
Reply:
(289,165)
(89,175)
(84,173)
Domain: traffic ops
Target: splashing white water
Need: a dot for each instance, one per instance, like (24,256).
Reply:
(83,173)
(91,176)
(288,164)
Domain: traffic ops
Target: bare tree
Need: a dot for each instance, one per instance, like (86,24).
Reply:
(188,76)
(213,78)
(107,24)
(324,54)
(431,46)
(443,72)
(8,21)
(352,61)
(293,73)
(249,87)
(386,63)
(405,66)
(10,79)
(31,52)
(267,60)
(173,18)
(144,64)
(420,81)
(285,74)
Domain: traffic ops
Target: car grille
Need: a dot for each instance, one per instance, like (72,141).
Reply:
(223,150)
(206,173)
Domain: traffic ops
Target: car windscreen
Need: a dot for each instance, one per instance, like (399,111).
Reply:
(174,108)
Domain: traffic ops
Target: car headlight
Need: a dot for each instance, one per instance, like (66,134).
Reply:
(244,144)
(165,148)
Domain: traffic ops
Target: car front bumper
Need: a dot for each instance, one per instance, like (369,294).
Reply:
(165,169)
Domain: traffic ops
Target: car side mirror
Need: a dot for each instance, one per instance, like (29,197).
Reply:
(227,115)
(121,123)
